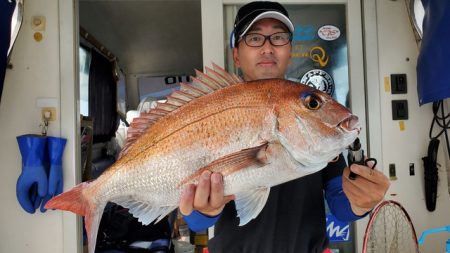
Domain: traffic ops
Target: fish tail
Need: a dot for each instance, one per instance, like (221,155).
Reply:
(82,204)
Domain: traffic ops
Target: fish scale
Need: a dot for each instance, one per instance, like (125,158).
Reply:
(256,134)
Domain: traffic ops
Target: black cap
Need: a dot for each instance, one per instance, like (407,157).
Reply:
(254,11)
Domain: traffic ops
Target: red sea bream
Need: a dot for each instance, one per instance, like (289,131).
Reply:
(257,134)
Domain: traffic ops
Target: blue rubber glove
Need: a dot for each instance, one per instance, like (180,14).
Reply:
(32,183)
(34,196)
(55,150)
(43,201)
(55,147)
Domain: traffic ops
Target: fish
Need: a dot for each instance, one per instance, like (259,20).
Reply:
(257,134)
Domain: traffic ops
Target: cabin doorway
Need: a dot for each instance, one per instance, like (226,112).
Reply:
(131,54)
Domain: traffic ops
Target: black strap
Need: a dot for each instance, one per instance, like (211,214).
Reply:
(431,174)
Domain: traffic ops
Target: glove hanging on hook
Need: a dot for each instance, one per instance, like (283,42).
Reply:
(32,183)
(55,150)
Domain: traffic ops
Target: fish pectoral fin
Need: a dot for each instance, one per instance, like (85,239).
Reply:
(250,203)
(144,212)
(254,156)
(226,165)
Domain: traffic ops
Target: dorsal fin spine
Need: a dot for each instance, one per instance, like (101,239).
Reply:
(234,78)
(186,97)
(175,101)
(208,79)
(203,84)
(166,106)
(160,111)
(190,88)
(213,74)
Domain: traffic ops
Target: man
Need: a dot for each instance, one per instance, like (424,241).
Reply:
(293,219)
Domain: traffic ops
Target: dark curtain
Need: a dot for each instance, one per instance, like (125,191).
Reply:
(6,12)
(102,98)
(433,64)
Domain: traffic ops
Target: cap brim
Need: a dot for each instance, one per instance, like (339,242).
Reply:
(271,14)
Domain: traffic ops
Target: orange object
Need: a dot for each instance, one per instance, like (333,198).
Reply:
(38,36)
(256,134)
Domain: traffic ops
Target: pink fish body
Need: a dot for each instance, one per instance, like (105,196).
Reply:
(257,134)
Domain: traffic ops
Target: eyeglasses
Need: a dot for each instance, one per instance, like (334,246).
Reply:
(276,39)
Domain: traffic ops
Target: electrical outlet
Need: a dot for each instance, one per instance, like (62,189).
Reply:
(392,172)
(411,169)
(399,84)
(48,113)
(399,109)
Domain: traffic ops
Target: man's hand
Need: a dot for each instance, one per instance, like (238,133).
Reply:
(207,197)
(367,190)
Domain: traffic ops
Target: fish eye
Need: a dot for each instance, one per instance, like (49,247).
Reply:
(312,102)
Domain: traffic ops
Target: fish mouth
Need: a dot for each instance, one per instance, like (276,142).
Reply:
(350,124)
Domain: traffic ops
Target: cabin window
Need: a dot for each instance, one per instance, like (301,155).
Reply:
(85,61)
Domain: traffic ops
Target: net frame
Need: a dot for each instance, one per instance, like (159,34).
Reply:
(375,241)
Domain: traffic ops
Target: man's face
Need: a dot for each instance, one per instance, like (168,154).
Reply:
(266,61)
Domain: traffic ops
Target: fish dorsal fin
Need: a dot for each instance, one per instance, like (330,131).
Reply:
(202,84)
(250,203)
(144,212)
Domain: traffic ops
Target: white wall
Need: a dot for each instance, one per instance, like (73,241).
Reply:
(395,43)
(36,74)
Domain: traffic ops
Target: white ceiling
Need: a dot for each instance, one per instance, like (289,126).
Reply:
(148,36)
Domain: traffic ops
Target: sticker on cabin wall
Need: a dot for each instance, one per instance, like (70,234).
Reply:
(387,84)
(320,80)
(318,54)
(329,32)
(304,32)
(401,125)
